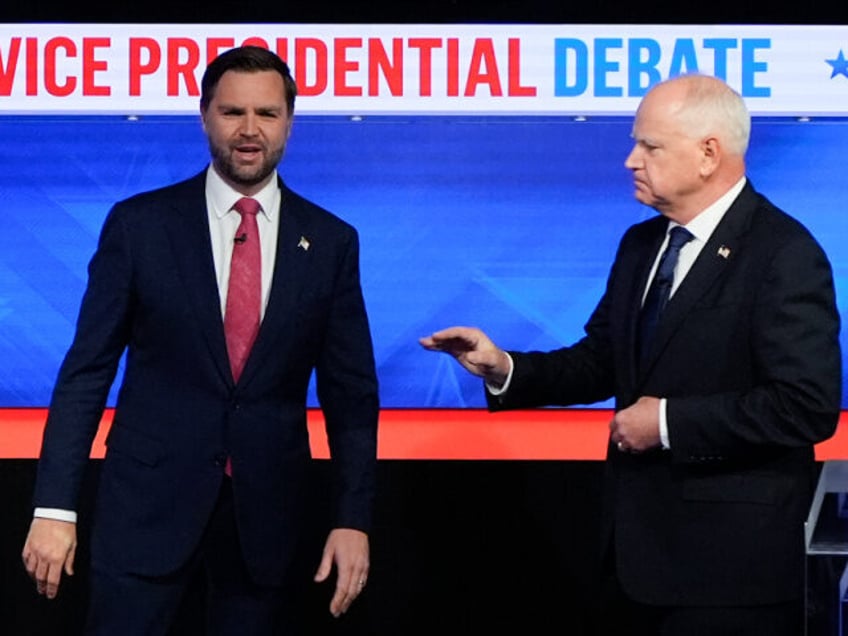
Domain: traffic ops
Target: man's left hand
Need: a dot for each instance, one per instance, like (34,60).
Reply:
(637,428)
(348,550)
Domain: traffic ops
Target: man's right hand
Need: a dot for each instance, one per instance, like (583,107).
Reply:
(473,350)
(49,549)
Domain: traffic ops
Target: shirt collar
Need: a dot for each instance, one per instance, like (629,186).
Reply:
(221,197)
(703,225)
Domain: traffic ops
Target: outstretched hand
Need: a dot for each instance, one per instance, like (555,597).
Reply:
(473,350)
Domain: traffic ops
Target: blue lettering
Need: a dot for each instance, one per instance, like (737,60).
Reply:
(604,66)
(643,56)
(562,46)
(683,58)
(720,47)
(646,59)
(750,67)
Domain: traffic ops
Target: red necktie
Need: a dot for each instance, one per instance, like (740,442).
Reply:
(244,294)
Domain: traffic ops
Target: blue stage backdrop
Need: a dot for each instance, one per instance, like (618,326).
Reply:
(507,223)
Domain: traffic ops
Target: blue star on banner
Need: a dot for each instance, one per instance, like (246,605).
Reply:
(840,65)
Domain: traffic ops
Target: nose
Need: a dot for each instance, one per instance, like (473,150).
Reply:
(249,126)
(632,161)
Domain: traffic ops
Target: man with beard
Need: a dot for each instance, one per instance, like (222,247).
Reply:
(226,291)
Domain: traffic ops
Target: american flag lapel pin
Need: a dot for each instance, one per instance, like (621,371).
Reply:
(303,244)
(724,251)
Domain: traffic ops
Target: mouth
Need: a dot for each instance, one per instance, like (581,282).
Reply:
(247,152)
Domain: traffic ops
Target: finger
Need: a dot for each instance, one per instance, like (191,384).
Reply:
(69,561)
(324,568)
(42,569)
(339,603)
(450,340)
(30,562)
(342,598)
(346,593)
(54,575)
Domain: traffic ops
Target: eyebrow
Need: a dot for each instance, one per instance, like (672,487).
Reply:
(223,107)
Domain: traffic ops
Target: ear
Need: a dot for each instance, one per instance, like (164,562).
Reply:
(203,119)
(710,156)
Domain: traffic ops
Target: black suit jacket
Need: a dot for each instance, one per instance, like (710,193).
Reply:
(747,355)
(152,291)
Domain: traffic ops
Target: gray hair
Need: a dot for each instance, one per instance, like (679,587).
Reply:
(711,107)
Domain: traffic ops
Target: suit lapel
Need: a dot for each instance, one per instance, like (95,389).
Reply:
(643,260)
(713,260)
(188,234)
(295,250)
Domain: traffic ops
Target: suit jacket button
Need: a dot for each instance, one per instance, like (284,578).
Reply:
(220,460)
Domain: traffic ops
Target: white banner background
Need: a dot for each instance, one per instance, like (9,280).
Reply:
(354,69)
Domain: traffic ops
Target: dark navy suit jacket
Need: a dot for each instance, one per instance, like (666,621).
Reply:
(152,291)
(747,355)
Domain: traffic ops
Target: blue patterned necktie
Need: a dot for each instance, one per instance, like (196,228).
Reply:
(660,289)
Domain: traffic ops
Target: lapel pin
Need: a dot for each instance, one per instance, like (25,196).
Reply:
(724,251)
(303,244)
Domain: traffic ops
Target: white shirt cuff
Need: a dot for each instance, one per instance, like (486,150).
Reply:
(57,514)
(500,391)
(663,425)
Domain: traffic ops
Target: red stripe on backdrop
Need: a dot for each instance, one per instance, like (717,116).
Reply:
(559,434)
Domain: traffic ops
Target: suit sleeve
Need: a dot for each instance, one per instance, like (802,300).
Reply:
(347,390)
(582,373)
(795,393)
(87,371)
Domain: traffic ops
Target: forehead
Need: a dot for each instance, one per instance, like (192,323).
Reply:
(250,87)
(658,115)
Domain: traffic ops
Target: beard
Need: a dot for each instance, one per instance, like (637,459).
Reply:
(244,175)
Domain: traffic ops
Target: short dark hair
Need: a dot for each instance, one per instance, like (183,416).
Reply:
(245,59)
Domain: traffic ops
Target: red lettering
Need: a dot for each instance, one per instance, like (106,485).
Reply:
(90,66)
(31,66)
(302,48)
(483,55)
(425,48)
(137,67)
(514,58)
(453,67)
(343,66)
(176,68)
(7,72)
(51,83)
(214,46)
(283,49)
(256,41)
(378,60)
